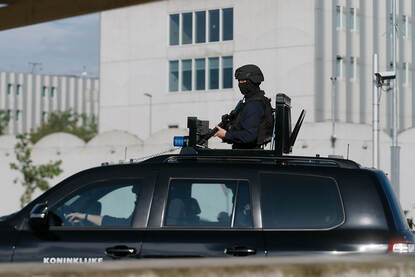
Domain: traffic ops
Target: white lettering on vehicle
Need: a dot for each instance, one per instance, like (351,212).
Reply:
(72,260)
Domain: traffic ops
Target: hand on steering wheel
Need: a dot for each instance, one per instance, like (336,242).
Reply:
(76,218)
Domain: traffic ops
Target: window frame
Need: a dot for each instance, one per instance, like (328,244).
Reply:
(194,71)
(222,15)
(194,22)
(405,74)
(169,29)
(195,12)
(339,67)
(340,17)
(353,73)
(353,19)
(181,86)
(216,180)
(405,26)
(261,173)
(96,183)
(181,26)
(177,87)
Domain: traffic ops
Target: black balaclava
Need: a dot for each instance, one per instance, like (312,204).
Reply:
(248,88)
(253,76)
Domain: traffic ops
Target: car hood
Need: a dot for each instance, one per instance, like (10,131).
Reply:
(5,218)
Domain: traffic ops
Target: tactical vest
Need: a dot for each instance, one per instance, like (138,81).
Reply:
(266,126)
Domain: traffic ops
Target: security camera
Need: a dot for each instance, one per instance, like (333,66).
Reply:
(385,75)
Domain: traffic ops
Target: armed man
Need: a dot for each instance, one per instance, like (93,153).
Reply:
(252,124)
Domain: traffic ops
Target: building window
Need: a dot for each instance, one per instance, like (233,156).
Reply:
(200,74)
(174,29)
(9,89)
(217,23)
(193,74)
(17,115)
(339,66)
(390,24)
(405,26)
(44,89)
(200,27)
(186,75)
(174,76)
(405,70)
(213,25)
(43,119)
(187,27)
(352,68)
(213,73)
(339,17)
(52,92)
(227,67)
(227,24)
(9,113)
(353,19)
(18,88)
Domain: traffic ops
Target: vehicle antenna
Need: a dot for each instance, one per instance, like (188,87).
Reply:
(125,153)
(348,149)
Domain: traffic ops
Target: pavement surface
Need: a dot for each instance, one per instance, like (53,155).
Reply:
(291,266)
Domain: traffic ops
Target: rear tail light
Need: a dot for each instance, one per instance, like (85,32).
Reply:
(402,247)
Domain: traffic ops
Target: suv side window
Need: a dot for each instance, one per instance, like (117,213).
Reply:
(107,204)
(208,203)
(300,202)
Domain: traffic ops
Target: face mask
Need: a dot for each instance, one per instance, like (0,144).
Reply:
(247,88)
(244,88)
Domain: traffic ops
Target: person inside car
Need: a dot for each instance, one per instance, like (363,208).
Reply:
(106,220)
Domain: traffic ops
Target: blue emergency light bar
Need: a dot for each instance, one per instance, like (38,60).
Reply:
(180,141)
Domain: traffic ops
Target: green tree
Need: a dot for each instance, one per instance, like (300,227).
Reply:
(67,122)
(33,176)
(4,121)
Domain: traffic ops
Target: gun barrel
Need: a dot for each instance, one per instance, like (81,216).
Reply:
(207,136)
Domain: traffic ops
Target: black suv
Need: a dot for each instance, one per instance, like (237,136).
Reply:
(212,203)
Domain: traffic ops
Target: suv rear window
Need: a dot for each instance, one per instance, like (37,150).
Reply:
(300,202)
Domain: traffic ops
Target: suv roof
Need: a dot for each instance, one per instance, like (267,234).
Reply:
(248,156)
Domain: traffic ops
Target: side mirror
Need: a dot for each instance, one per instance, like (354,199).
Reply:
(38,220)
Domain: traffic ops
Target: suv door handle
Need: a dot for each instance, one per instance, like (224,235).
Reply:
(120,251)
(239,251)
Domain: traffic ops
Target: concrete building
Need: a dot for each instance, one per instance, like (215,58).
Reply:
(164,61)
(183,53)
(30,98)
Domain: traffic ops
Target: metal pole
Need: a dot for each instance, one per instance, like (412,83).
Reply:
(333,120)
(394,147)
(151,113)
(375,115)
(151,104)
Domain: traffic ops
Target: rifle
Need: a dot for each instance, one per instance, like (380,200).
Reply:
(224,124)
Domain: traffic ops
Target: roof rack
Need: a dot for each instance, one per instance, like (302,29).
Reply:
(251,156)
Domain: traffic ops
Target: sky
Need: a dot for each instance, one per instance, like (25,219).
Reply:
(63,47)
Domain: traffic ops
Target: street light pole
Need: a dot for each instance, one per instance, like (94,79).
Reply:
(333,119)
(394,148)
(375,115)
(151,104)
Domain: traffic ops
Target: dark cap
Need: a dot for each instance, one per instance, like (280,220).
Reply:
(249,72)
